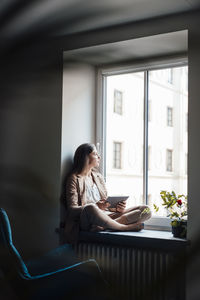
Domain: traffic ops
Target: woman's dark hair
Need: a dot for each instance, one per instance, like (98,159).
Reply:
(80,157)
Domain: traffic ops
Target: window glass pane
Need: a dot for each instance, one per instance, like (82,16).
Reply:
(168,139)
(124,136)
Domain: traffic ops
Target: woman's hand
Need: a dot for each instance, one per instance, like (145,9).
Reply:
(121,206)
(103,204)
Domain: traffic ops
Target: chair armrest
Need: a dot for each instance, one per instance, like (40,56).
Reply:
(75,267)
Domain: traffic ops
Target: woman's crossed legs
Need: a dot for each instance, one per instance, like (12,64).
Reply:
(94,219)
(137,214)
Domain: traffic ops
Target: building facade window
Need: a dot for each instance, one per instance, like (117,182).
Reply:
(117,155)
(169,116)
(169,160)
(118,102)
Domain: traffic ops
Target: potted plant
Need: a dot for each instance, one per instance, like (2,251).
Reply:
(176,206)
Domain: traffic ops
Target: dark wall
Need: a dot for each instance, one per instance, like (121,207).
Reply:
(30,135)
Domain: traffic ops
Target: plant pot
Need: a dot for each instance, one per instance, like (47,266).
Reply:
(179,229)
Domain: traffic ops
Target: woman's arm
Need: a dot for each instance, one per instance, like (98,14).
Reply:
(121,206)
(72,195)
(103,204)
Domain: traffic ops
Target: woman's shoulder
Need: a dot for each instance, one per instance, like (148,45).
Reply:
(72,177)
(96,173)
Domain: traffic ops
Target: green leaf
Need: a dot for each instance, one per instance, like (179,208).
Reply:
(175,223)
(156,208)
(174,214)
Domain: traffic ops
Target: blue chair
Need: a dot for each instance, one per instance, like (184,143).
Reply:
(56,275)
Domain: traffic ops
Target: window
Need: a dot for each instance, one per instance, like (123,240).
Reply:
(169,116)
(153,155)
(169,159)
(118,102)
(117,155)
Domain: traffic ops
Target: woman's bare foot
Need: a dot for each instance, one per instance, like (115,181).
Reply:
(96,228)
(122,220)
(134,227)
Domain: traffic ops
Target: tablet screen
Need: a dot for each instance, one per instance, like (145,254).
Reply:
(113,200)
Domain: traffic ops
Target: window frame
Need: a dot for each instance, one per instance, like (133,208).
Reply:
(156,222)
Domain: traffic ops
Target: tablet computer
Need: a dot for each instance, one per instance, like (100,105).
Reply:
(113,200)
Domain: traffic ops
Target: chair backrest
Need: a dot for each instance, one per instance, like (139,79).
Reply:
(10,259)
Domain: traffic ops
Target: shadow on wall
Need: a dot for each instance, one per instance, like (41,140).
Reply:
(30,126)
(67,166)
(25,198)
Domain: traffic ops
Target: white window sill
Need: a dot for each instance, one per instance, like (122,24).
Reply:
(154,239)
(158,223)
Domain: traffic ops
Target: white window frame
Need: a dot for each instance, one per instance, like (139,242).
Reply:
(156,222)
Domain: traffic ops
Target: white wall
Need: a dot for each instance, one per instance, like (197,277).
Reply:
(78,114)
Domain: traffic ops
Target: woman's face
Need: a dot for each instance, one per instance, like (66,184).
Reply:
(94,158)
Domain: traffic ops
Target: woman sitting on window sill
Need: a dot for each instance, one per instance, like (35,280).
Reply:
(86,205)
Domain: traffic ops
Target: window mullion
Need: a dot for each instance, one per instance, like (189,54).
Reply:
(104,125)
(145,149)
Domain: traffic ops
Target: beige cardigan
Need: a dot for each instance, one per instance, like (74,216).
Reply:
(75,201)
